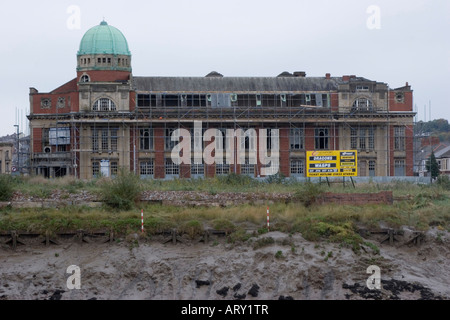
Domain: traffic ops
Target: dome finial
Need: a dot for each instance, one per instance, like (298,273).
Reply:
(103,23)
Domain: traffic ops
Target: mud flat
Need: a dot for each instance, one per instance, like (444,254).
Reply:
(281,267)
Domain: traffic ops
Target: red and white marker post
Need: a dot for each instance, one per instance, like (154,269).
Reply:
(268,224)
(142,220)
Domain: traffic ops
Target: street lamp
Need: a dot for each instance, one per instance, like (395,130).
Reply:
(18,148)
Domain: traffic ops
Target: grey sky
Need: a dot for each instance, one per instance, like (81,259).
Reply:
(235,38)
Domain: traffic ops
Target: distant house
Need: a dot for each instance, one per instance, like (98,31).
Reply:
(6,151)
(441,152)
(443,159)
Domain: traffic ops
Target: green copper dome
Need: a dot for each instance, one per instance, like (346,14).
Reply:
(104,39)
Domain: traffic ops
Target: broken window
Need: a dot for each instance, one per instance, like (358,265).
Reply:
(170,100)
(298,100)
(283,100)
(146,139)
(195,100)
(143,100)
(296,138)
(258,100)
(321,139)
(326,100)
(269,100)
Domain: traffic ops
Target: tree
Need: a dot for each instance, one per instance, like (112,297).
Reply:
(433,166)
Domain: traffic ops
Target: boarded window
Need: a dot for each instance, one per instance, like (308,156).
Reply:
(399,168)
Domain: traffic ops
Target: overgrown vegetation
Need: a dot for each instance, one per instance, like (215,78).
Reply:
(444,182)
(122,192)
(6,187)
(309,193)
(419,206)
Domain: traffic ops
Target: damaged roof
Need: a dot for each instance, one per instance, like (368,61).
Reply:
(235,84)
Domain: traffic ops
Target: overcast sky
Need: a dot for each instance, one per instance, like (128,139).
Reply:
(408,43)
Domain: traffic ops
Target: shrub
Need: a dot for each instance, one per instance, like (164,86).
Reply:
(278,178)
(309,194)
(122,192)
(225,225)
(444,182)
(279,254)
(263,242)
(234,179)
(6,187)
(193,228)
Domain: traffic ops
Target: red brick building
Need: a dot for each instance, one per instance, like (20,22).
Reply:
(107,118)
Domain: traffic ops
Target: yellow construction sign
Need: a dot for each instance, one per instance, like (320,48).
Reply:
(340,163)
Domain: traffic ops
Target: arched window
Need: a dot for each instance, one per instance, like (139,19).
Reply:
(104,104)
(362,104)
(85,78)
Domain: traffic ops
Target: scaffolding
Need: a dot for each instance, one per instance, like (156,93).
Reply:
(103,141)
